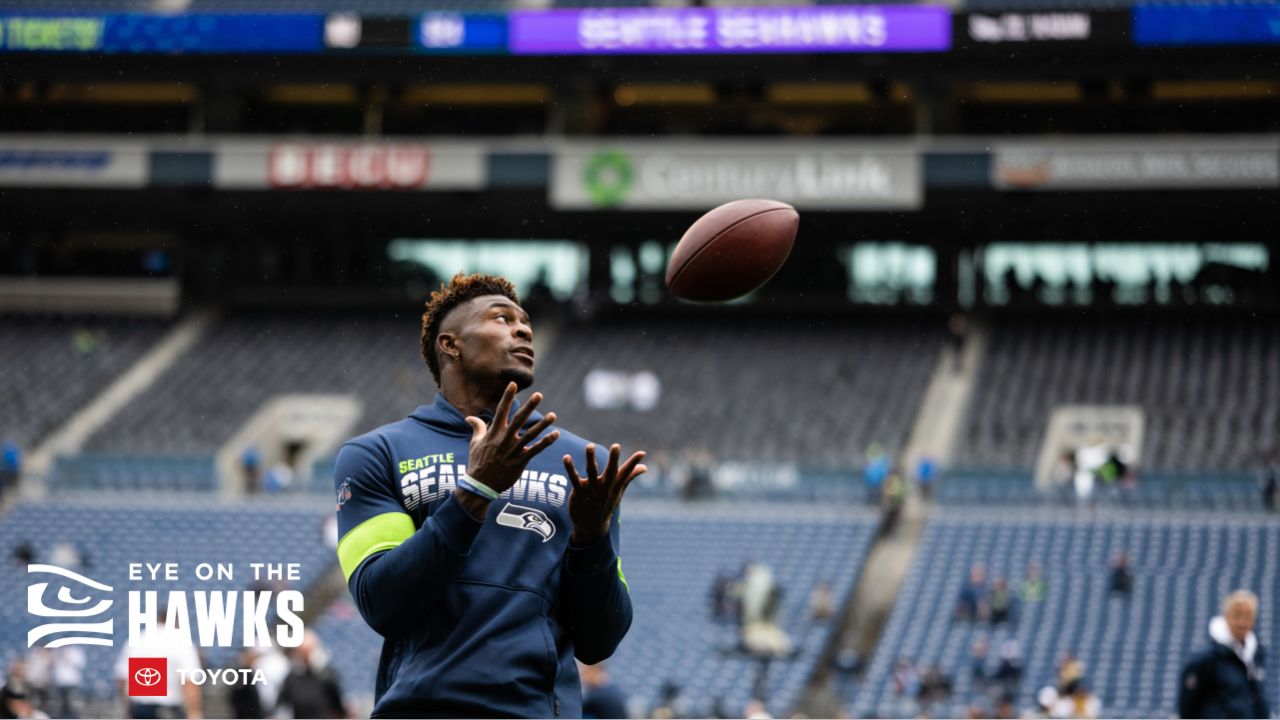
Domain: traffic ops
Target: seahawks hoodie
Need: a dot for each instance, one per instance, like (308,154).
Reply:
(478,619)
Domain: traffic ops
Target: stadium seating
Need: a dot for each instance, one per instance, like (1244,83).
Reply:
(815,393)
(1170,492)
(124,473)
(1208,388)
(671,555)
(116,530)
(1133,648)
(245,360)
(862,384)
(51,366)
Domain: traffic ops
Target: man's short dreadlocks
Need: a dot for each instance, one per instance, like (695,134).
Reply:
(459,290)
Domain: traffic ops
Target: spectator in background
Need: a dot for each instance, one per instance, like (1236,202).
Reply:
(246,703)
(1121,581)
(1046,699)
(891,502)
(1076,701)
(724,592)
(1062,476)
(906,681)
(1001,602)
(10,465)
(1008,673)
(600,697)
(761,599)
(38,665)
(279,477)
(1033,588)
(275,667)
(15,697)
(822,602)
(978,662)
(65,554)
(934,686)
(1269,482)
(251,469)
(1005,709)
(756,710)
(24,555)
(926,472)
(847,662)
(67,674)
(974,602)
(161,640)
(874,472)
(669,703)
(1226,680)
(311,689)
(1070,671)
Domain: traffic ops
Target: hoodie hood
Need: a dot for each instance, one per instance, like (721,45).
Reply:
(444,418)
(1220,631)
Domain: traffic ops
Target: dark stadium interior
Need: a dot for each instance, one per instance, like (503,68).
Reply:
(984,332)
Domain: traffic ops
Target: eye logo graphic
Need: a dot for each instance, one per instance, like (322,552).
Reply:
(87,632)
(525,518)
(148,677)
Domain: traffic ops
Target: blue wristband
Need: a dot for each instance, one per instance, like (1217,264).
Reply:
(475,487)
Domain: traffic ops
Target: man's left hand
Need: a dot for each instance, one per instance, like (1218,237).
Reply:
(594,498)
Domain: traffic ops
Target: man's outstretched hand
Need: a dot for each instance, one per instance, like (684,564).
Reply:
(498,450)
(594,497)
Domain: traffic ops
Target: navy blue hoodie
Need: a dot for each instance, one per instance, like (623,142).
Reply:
(478,618)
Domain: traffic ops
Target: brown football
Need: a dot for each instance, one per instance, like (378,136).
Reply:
(732,250)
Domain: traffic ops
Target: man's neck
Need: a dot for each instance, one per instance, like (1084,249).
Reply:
(468,398)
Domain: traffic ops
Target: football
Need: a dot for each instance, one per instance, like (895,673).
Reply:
(732,250)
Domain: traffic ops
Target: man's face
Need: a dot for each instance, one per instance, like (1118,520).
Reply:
(494,338)
(1240,618)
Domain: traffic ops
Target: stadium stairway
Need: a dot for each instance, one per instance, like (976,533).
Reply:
(70,437)
(933,435)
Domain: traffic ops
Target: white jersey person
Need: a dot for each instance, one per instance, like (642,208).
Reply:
(160,640)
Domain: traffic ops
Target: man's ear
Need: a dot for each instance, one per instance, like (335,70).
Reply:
(447,343)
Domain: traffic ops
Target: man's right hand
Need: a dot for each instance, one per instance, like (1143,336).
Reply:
(498,452)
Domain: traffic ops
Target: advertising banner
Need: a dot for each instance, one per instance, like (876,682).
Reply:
(1137,165)
(700,175)
(999,32)
(349,166)
(166,34)
(461,32)
(828,28)
(73,163)
(1245,23)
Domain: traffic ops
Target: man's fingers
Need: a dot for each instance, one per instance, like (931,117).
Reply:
(637,472)
(504,406)
(522,416)
(593,472)
(628,467)
(536,429)
(572,471)
(539,446)
(611,470)
(478,428)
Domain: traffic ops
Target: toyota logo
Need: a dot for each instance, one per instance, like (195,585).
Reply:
(147,677)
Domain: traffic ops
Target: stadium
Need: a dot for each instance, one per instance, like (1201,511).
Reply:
(999,438)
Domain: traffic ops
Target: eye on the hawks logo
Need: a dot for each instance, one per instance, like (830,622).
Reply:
(344,493)
(148,677)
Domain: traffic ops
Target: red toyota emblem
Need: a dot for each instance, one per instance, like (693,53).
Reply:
(148,677)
